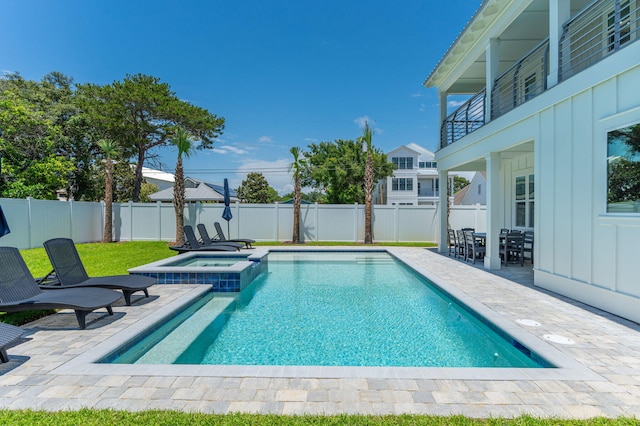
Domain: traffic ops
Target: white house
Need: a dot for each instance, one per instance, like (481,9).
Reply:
(474,193)
(415,180)
(162,180)
(553,91)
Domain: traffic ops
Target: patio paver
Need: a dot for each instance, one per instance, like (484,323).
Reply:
(40,374)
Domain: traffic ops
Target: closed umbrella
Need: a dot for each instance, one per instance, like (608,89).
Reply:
(4,226)
(226,214)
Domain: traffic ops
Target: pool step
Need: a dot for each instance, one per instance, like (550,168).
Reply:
(165,351)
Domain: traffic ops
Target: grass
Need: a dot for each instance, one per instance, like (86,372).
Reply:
(88,417)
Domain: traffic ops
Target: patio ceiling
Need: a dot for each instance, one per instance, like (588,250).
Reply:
(518,25)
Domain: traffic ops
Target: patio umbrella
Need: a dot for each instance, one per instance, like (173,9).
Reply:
(4,226)
(226,214)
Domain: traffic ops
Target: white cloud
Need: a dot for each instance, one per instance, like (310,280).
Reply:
(275,172)
(455,104)
(264,139)
(417,95)
(360,121)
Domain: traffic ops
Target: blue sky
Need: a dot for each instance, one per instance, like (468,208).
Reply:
(282,73)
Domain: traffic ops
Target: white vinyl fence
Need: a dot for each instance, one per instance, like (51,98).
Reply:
(34,221)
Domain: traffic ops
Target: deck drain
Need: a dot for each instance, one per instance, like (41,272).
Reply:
(528,322)
(554,338)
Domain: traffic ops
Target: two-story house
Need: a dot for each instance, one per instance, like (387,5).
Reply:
(415,180)
(553,103)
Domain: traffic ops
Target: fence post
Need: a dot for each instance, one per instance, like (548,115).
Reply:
(29,221)
(159,213)
(277,220)
(130,220)
(355,221)
(317,223)
(70,218)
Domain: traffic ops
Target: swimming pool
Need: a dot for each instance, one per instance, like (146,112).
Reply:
(366,310)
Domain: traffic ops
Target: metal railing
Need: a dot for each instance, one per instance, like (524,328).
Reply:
(523,81)
(466,119)
(599,30)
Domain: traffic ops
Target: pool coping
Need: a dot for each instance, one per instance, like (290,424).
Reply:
(566,367)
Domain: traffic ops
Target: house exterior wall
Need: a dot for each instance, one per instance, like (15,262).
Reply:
(581,251)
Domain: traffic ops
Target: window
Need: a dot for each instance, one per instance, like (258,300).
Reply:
(479,189)
(427,164)
(623,170)
(402,163)
(524,201)
(402,184)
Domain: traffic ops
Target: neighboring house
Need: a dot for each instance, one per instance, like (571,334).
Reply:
(162,180)
(474,193)
(415,180)
(196,190)
(552,86)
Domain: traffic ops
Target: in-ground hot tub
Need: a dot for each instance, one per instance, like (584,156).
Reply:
(224,271)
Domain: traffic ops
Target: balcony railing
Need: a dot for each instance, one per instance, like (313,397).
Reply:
(596,32)
(466,119)
(523,81)
(602,28)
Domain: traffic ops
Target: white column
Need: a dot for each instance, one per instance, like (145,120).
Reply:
(443,197)
(442,102)
(492,68)
(559,13)
(492,257)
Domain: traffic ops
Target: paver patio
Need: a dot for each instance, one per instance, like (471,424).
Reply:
(40,374)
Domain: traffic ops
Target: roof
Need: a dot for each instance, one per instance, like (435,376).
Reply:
(157,174)
(415,148)
(516,26)
(196,190)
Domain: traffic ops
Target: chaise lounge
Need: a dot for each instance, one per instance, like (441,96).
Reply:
(192,243)
(8,334)
(20,292)
(221,237)
(69,272)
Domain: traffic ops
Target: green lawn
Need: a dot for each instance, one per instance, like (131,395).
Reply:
(155,417)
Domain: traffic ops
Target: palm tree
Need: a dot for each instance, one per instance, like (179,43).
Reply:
(110,150)
(366,140)
(296,168)
(185,147)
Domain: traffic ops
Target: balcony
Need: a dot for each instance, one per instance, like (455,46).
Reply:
(597,31)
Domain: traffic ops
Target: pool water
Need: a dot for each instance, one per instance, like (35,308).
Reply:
(335,309)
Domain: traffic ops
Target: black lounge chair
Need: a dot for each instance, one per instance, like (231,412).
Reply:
(192,243)
(221,237)
(68,272)
(20,292)
(207,241)
(8,334)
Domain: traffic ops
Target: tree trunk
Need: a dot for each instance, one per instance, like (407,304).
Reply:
(368,204)
(138,181)
(296,210)
(108,203)
(178,202)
